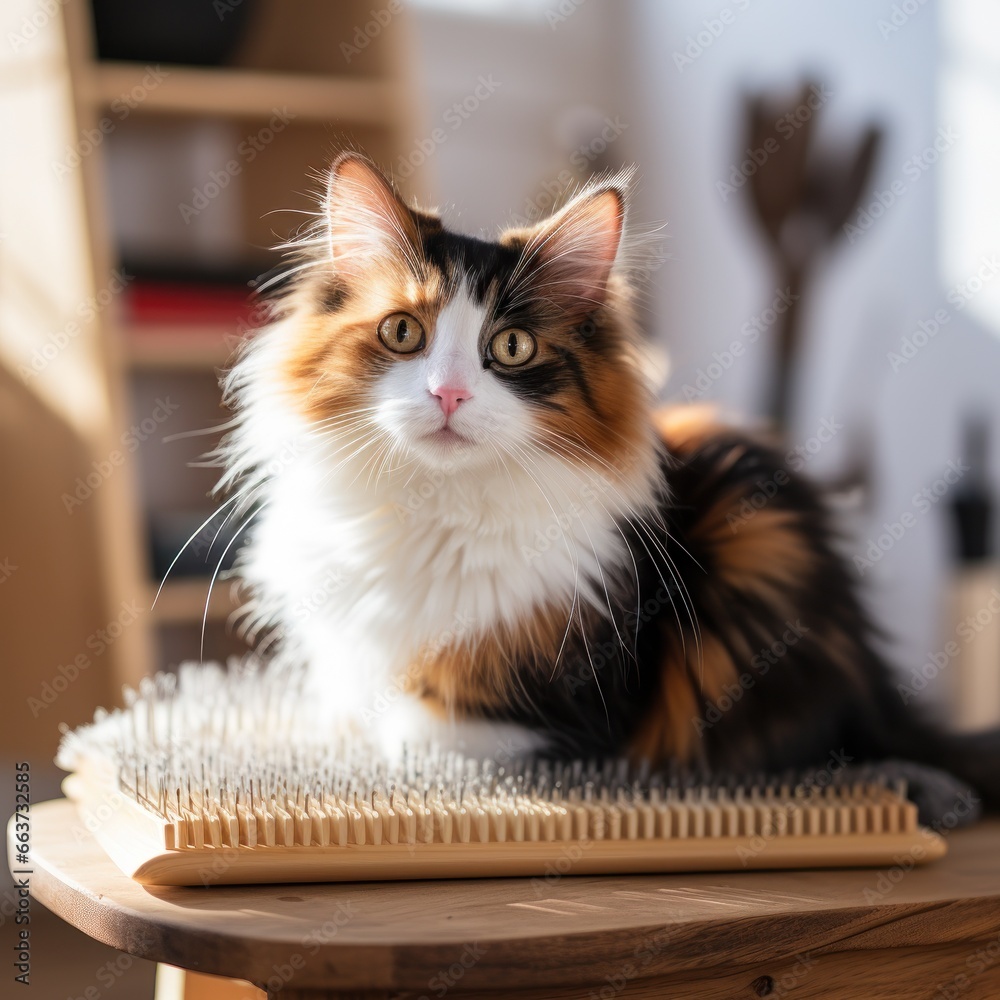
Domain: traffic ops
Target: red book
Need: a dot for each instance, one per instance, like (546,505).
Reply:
(162,303)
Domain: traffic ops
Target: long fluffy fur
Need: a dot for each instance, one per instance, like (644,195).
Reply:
(576,567)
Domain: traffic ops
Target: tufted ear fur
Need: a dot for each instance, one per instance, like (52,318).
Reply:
(570,256)
(367,223)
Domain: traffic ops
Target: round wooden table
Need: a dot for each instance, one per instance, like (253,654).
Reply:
(927,932)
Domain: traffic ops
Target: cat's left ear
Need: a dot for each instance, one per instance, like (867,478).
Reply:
(368,225)
(570,256)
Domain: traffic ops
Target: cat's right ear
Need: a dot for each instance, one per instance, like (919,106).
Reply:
(368,225)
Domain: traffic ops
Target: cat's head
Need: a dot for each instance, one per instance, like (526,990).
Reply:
(458,352)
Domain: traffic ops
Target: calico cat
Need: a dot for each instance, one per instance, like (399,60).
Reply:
(465,508)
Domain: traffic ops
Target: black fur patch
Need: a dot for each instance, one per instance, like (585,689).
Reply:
(797,704)
(485,264)
(537,383)
(576,373)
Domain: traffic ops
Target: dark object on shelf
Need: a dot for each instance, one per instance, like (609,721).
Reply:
(971,503)
(802,196)
(246,272)
(168,533)
(198,32)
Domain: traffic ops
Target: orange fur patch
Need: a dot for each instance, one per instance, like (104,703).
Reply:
(690,674)
(683,428)
(475,672)
(765,553)
(336,357)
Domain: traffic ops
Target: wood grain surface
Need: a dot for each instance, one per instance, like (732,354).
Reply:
(881,933)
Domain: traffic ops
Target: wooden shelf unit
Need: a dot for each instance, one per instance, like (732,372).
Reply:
(180,347)
(290,60)
(245,93)
(184,600)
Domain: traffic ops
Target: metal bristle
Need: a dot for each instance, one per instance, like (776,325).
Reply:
(240,757)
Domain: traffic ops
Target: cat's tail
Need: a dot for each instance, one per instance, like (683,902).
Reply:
(973,758)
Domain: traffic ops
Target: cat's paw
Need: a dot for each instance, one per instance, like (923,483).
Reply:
(944,802)
(407,722)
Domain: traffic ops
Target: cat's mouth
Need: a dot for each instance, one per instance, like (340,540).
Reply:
(447,437)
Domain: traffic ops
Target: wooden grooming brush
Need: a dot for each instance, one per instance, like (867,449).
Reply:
(229,777)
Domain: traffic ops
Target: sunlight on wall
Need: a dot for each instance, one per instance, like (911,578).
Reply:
(48,306)
(970,179)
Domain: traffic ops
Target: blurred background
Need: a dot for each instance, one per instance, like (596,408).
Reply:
(822,181)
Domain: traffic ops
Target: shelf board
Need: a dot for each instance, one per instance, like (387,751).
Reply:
(244,93)
(182,601)
(181,347)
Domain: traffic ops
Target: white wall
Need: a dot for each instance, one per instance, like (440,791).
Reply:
(873,292)
(683,131)
(523,135)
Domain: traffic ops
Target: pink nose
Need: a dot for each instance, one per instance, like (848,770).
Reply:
(449,397)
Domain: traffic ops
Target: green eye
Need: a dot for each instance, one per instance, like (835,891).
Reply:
(401,333)
(512,348)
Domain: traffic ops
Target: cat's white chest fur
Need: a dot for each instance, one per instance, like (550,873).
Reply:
(365,554)
(358,576)
(361,575)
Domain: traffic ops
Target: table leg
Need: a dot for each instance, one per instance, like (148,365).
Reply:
(179,984)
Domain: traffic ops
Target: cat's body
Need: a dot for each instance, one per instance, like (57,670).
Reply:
(469,513)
